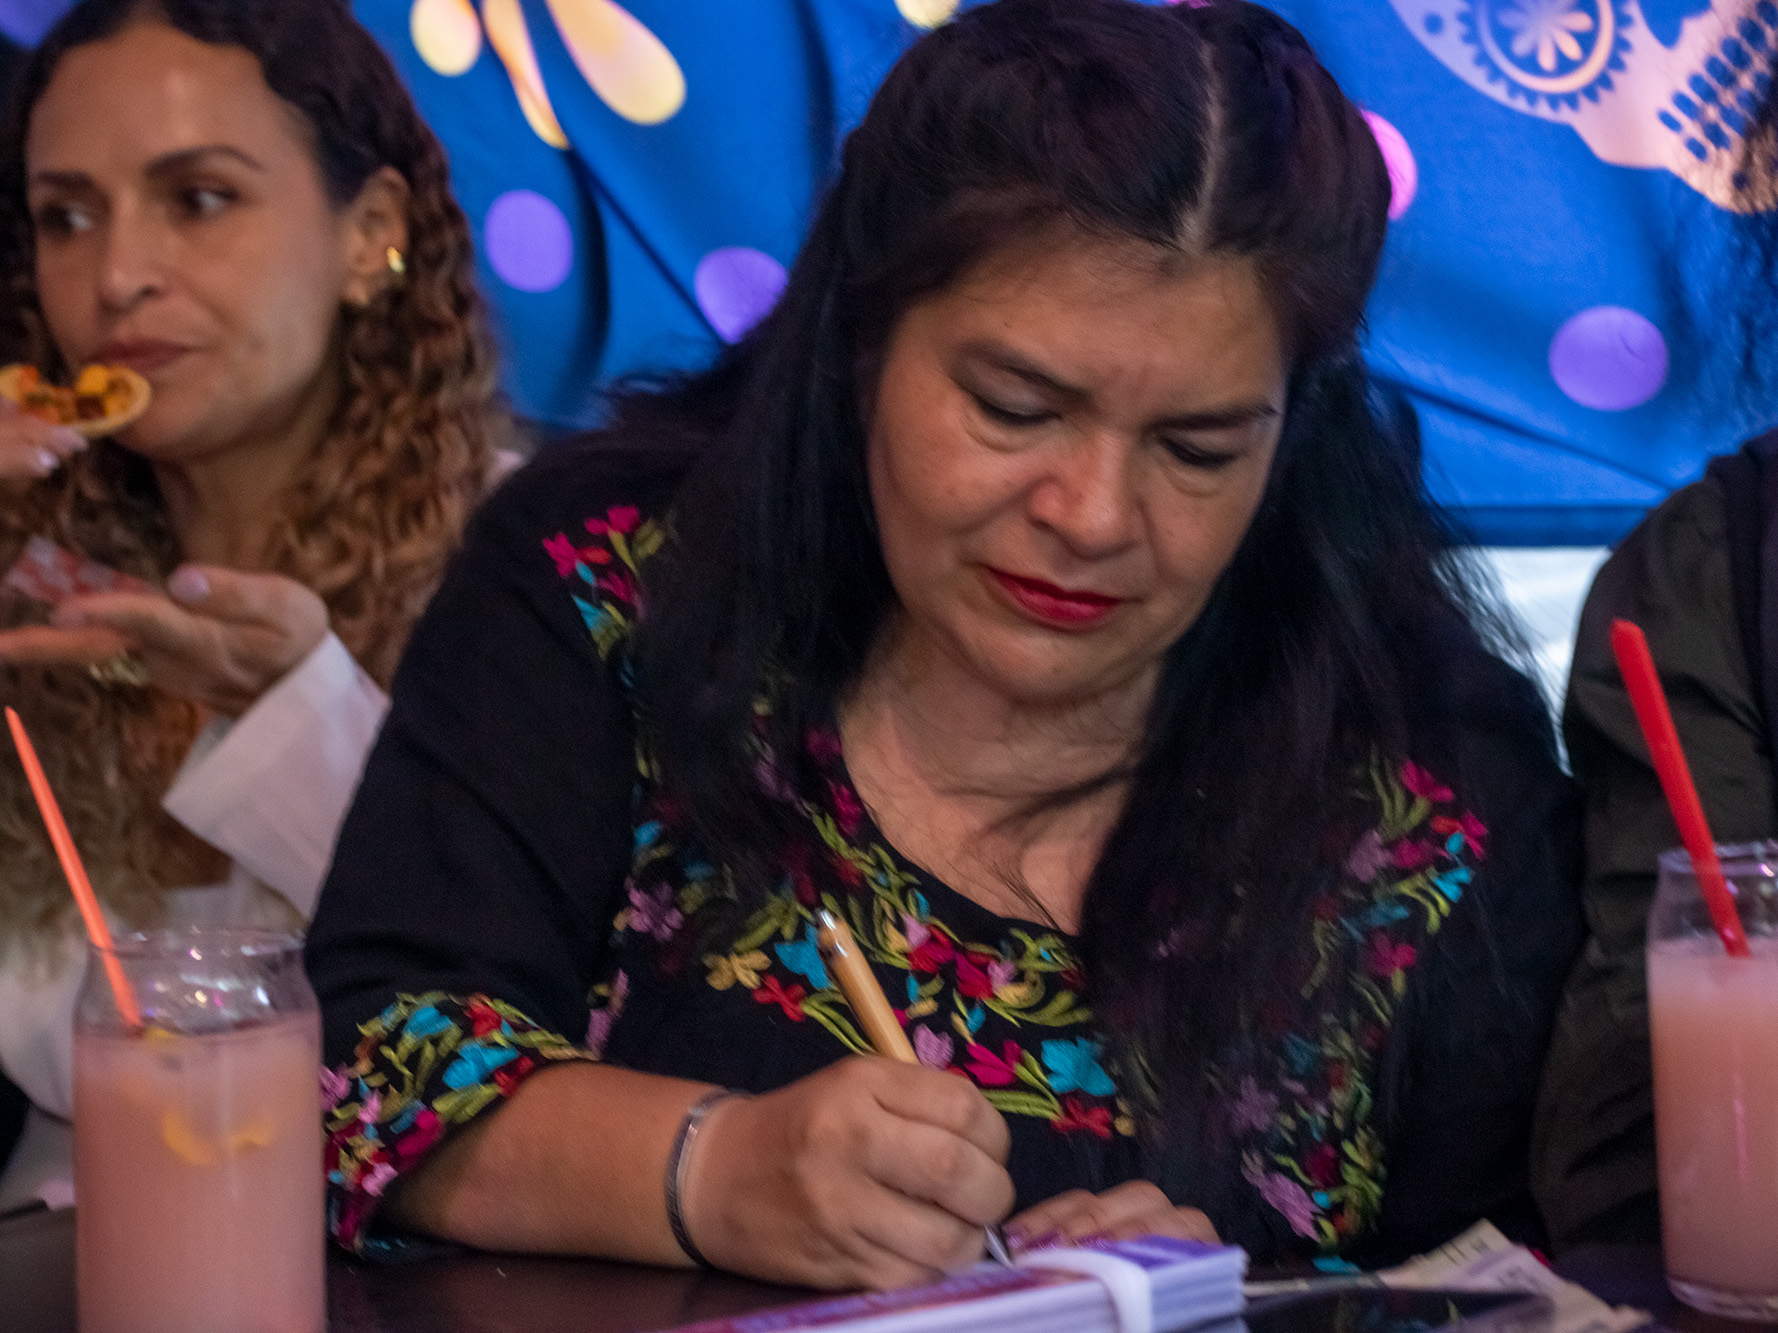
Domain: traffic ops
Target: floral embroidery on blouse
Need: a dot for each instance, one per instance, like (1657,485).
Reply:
(1008,1014)
(426,1064)
(1308,1142)
(611,567)
(1011,1017)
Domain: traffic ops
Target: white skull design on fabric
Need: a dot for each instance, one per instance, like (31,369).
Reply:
(1670,84)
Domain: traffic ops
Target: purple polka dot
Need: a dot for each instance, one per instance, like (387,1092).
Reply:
(736,287)
(1404,172)
(528,241)
(1609,358)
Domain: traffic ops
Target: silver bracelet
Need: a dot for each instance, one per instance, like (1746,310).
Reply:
(678,1162)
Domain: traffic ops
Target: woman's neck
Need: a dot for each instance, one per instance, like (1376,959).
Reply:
(961,733)
(222,505)
(952,770)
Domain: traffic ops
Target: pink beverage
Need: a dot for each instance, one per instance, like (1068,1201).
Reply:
(1714,1027)
(198,1151)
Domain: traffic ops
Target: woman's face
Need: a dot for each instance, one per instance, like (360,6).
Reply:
(1065,449)
(183,229)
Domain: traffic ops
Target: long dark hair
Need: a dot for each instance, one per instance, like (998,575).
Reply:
(1203,130)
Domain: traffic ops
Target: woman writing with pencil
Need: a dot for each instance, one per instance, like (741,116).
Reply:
(1037,592)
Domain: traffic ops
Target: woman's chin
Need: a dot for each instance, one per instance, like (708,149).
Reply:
(150,439)
(166,433)
(1050,676)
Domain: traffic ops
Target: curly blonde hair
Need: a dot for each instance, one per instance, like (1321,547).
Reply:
(370,518)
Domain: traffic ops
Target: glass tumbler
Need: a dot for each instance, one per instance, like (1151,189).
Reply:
(197,1139)
(1713,1022)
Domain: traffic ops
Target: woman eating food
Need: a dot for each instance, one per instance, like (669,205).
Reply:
(231,209)
(1037,590)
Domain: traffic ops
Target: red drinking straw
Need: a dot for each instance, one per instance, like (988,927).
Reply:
(63,841)
(1650,703)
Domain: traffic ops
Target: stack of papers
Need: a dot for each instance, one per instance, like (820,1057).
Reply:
(1482,1259)
(1192,1284)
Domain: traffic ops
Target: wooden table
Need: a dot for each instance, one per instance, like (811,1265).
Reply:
(479,1293)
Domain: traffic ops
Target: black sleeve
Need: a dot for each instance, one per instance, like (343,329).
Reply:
(489,838)
(1464,1080)
(470,904)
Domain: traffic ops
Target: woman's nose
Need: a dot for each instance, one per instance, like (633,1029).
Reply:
(1087,497)
(130,264)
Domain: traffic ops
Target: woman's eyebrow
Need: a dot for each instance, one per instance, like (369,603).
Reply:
(997,356)
(169,164)
(67,180)
(172,163)
(1219,418)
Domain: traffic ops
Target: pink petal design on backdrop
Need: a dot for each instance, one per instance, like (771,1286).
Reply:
(511,41)
(621,60)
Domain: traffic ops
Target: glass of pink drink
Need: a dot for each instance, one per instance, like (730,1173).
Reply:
(197,1140)
(1713,1020)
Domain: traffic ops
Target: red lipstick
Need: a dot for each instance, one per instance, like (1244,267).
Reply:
(1048,604)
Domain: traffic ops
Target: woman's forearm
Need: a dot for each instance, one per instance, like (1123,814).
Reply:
(865,1173)
(574,1163)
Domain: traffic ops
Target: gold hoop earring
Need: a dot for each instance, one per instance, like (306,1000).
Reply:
(397,265)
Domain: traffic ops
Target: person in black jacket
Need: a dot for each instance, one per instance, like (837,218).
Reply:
(1693,576)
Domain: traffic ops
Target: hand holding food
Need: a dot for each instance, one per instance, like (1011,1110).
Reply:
(30,447)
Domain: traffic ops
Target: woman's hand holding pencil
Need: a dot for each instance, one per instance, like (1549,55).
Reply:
(879,1172)
(866,1174)
(1134,1208)
(877,1019)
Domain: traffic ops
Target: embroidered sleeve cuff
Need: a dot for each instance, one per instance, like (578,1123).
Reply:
(425,1067)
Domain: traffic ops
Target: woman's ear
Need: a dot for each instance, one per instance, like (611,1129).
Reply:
(374,232)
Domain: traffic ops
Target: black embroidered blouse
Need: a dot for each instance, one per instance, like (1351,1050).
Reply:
(511,889)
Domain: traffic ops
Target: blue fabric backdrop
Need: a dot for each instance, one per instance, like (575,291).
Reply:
(1571,295)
